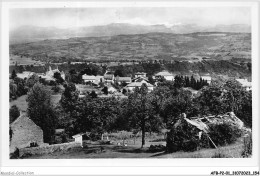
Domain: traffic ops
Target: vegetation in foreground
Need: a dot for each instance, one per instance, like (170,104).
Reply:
(142,111)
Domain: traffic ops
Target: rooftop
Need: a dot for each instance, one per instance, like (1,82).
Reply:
(108,77)
(164,73)
(138,84)
(88,77)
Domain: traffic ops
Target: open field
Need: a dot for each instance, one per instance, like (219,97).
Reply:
(22,104)
(165,46)
(23,61)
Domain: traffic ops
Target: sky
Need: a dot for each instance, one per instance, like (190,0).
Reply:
(75,17)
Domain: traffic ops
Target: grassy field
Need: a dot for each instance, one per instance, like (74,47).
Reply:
(23,60)
(21,103)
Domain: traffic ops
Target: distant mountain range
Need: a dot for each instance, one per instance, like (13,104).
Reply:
(34,33)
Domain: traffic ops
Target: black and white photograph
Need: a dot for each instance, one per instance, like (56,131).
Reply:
(130,82)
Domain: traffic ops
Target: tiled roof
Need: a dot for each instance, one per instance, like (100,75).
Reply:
(138,84)
(164,73)
(139,79)
(126,79)
(88,77)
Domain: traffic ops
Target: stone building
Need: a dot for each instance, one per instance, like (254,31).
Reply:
(25,133)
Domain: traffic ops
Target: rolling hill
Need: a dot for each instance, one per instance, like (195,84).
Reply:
(150,46)
(34,33)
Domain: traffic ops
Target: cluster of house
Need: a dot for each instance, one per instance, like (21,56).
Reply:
(139,79)
(131,83)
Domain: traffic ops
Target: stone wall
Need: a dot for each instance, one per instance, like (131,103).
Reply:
(48,149)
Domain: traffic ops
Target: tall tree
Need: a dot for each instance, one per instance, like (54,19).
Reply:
(32,80)
(69,98)
(13,90)
(14,113)
(140,110)
(58,77)
(40,110)
(178,81)
(211,101)
(13,74)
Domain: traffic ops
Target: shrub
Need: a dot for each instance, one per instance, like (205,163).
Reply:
(182,137)
(224,133)
(15,154)
(156,148)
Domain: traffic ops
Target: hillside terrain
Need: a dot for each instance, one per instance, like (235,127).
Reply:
(150,46)
(36,33)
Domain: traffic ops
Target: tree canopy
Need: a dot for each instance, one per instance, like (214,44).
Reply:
(41,111)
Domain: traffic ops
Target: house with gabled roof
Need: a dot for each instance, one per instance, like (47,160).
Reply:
(165,74)
(24,132)
(88,78)
(109,77)
(141,79)
(120,80)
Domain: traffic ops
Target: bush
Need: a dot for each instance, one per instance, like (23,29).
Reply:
(157,148)
(224,133)
(182,137)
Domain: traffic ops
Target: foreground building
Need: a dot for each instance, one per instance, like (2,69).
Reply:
(25,133)
(121,80)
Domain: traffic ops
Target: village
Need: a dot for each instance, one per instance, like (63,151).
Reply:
(27,137)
